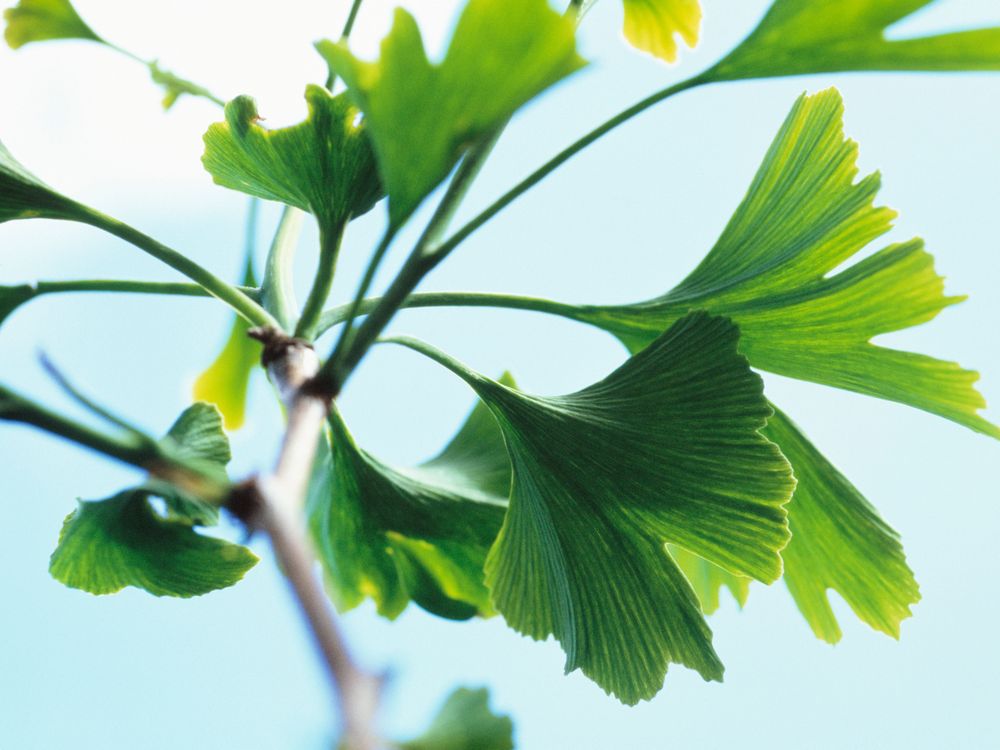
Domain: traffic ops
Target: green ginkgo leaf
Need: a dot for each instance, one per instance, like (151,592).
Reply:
(666,448)
(419,534)
(822,36)
(24,196)
(654,25)
(225,381)
(123,541)
(465,722)
(422,116)
(40,20)
(324,165)
(839,542)
(773,271)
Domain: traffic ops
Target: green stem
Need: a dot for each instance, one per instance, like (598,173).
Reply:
(563,156)
(345,34)
(196,90)
(277,289)
(170,288)
(329,248)
(215,286)
(337,315)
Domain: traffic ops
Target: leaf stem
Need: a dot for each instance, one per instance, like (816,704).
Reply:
(169,288)
(277,289)
(215,286)
(345,34)
(329,247)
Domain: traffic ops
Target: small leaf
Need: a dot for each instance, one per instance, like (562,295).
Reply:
(225,381)
(423,116)
(666,448)
(773,271)
(822,36)
(839,542)
(465,722)
(197,434)
(107,545)
(24,196)
(401,534)
(40,20)
(174,86)
(323,165)
(12,297)
(654,25)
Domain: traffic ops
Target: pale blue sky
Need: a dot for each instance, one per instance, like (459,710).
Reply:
(622,222)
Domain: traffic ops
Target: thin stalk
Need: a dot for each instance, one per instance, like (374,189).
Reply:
(151,65)
(169,288)
(329,248)
(563,156)
(344,36)
(277,288)
(215,286)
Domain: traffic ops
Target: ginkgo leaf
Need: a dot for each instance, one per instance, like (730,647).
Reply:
(225,382)
(707,579)
(654,25)
(418,534)
(24,196)
(40,20)
(822,36)
(323,165)
(107,545)
(12,297)
(666,448)
(465,722)
(839,542)
(502,54)
(774,272)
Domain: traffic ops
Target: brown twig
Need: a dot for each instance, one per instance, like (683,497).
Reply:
(273,504)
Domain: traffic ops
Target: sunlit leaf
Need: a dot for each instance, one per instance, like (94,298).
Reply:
(422,533)
(24,196)
(654,25)
(776,272)
(707,579)
(465,722)
(107,545)
(423,115)
(40,20)
(666,448)
(323,165)
(820,36)
(839,542)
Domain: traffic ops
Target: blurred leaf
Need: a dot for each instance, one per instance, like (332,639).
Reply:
(774,271)
(666,448)
(465,722)
(12,297)
(323,165)
(654,25)
(41,20)
(174,86)
(707,579)
(839,542)
(422,116)
(421,534)
(24,196)
(227,379)
(824,36)
(109,544)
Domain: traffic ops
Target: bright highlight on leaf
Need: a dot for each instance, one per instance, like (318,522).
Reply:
(708,579)
(421,534)
(666,448)
(773,272)
(41,20)
(465,722)
(822,36)
(422,116)
(323,165)
(839,542)
(24,196)
(654,25)
(109,544)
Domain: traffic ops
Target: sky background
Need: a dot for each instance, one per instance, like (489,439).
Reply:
(622,222)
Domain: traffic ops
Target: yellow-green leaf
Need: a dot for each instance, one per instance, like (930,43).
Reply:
(654,25)
(40,20)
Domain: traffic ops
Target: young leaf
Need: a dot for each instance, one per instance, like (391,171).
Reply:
(672,452)
(823,36)
(773,272)
(421,534)
(40,20)
(174,86)
(323,165)
(422,116)
(109,544)
(654,25)
(24,196)
(226,380)
(839,542)
(465,722)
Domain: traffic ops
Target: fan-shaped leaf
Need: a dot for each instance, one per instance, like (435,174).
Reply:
(465,722)
(40,20)
(654,25)
(24,196)
(422,116)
